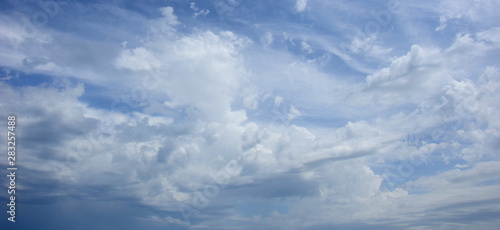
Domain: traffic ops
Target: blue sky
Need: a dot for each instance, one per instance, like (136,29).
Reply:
(239,114)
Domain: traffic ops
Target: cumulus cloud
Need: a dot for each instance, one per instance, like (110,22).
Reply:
(478,11)
(239,123)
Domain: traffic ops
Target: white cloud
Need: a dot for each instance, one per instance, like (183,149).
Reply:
(198,11)
(306,47)
(169,16)
(137,59)
(294,113)
(267,38)
(481,11)
(224,98)
(368,47)
(300,5)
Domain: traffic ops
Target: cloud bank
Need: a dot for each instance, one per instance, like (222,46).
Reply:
(253,115)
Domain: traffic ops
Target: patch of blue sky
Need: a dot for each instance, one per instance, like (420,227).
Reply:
(23,79)
(98,97)
(260,207)
(320,122)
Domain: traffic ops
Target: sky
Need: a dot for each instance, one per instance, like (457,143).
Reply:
(252,114)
